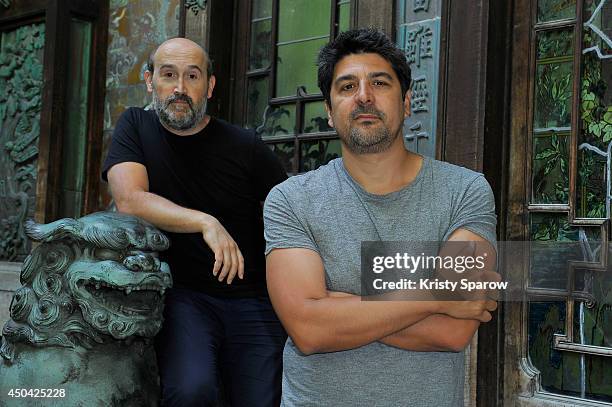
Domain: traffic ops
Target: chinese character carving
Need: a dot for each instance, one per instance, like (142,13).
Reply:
(416,134)
(420,5)
(420,95)
(419,44)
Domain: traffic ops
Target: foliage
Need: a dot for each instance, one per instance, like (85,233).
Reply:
(552,158)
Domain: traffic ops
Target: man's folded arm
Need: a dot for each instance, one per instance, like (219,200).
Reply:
(318,322)
(442,332)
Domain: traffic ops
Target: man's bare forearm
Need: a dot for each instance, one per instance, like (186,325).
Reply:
(436,333)
(164,213)
(332,324)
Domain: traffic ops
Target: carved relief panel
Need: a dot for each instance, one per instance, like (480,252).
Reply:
(418,34)
(21,59)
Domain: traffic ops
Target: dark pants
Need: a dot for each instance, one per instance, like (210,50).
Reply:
(205,340)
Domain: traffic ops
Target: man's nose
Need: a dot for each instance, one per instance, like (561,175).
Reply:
(364,94)
(180,85)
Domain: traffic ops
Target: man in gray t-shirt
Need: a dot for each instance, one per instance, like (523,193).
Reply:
(343,351)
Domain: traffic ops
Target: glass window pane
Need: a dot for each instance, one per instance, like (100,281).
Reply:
(257,101)
(545,320)
(550,250)
(598,26)
(591,184)
(550,181)
(279,121)
(555,43)
(315,153)
(549,10)
(562,372)
(296,66)
(553,95)
(344,14)
(593,322)
(259,55)
(300,19)
(315,118)
(261,9)
(596,101)
(75,133)
(596,122)
(285,152)
(553,87)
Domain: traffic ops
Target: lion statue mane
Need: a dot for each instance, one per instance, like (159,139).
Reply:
(84,319)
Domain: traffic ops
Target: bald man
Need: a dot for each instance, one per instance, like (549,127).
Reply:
(202,181)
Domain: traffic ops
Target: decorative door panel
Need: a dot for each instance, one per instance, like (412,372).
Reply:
(52,66)
(560,190)
(21,79)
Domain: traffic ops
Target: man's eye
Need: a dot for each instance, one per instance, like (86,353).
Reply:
(380,83)
(168,74)
(193,76)
(348,86)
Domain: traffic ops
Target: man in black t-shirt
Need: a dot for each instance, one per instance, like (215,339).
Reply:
(202,181)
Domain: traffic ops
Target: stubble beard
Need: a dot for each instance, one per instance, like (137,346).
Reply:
(179,120)
(374,140)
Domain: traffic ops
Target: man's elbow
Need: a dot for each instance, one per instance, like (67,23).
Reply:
(457,343)
(307,340)
(126,205)
(305,345)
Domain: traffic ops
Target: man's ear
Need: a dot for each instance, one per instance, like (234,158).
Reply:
(211,85)
(330,121)
(407,103)
(148,77)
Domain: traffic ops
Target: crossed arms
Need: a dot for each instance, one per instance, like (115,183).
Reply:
(322,321)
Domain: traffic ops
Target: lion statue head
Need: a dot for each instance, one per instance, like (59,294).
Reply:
(92,280)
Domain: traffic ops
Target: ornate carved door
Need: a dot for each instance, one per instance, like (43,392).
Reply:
(558,344)
(51,91)
(21,66)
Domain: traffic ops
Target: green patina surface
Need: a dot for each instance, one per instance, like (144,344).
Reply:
(90,304)
(21,80)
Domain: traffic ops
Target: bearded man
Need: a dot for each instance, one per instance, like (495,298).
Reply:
(202,181)
(344,351)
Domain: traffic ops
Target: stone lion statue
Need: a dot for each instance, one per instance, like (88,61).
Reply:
(83,321)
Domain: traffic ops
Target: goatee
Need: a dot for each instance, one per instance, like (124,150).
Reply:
(179,121)
(368,141)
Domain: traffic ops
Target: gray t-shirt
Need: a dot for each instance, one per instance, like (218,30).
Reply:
(327,211)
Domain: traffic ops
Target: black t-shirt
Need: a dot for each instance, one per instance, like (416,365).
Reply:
(224,171)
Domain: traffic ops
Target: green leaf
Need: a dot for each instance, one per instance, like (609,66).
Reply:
(544,154)
(549,166)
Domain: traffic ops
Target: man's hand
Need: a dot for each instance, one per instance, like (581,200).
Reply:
(129,184)
(228,258)
(479,310)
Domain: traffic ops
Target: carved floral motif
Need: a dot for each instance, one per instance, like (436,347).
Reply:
(21,83)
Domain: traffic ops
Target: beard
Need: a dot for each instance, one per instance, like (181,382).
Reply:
(372,140)
(181,120)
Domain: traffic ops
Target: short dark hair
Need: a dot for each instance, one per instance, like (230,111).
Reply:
(151,63)
(360,41)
